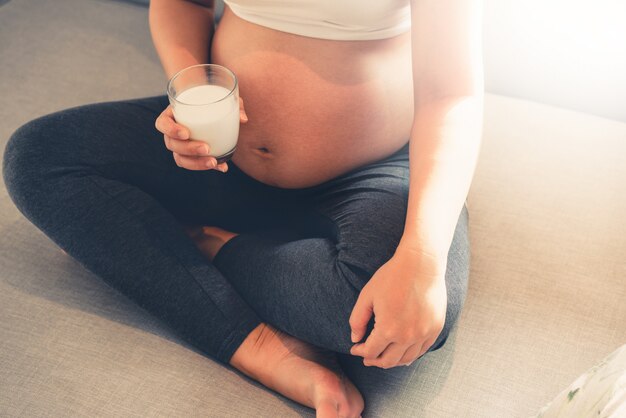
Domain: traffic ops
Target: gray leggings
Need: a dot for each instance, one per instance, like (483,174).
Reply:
(99,182)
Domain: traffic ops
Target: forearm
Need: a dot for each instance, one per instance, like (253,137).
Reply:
(181,32)
(444,147)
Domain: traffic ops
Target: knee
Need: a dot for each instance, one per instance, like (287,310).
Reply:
(27,156)
(455,303)
(363,250)
(457,277)
(18,162)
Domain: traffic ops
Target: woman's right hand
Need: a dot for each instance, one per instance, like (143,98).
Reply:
(189,153)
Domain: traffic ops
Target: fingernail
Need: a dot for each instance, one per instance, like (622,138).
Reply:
(353,337)
(203,150)
(211,163)
(182,134)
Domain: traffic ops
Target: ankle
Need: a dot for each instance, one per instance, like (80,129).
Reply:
(246,358)
(209,239)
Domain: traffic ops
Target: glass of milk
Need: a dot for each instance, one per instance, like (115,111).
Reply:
(205,99)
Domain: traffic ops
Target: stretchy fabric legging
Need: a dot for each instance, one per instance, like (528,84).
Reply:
(98,180)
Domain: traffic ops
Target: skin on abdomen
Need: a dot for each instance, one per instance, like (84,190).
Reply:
(316,108)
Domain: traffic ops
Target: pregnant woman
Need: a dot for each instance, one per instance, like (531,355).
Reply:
(314,239)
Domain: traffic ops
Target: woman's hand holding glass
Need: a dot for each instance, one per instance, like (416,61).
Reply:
(189,153)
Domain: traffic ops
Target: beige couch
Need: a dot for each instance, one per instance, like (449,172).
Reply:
(548,280)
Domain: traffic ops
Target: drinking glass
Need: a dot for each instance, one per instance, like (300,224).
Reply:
(205,99)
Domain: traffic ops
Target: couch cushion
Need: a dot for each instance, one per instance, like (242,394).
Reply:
(547,290)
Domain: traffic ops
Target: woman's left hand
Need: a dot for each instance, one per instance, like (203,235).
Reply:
(408,299)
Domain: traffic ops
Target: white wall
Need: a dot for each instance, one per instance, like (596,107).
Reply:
(569,53)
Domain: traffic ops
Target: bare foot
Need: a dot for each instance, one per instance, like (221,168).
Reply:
(298,370)
(209,239)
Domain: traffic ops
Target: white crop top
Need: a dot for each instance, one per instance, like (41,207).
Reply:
(344,20)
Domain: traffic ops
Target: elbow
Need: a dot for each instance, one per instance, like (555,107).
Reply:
(450,85)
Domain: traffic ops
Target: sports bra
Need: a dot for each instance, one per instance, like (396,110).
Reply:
(343,20)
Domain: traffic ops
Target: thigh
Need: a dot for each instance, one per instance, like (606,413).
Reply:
(118,141)
(364,213)
(85,177)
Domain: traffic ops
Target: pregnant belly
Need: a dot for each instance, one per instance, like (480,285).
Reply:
(316,108)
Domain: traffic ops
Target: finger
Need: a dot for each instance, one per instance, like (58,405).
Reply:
(187,147)
(194,163)
(223,167)
(372,347)
(360,316)
(166,124)
(411,354)
(243,117)
(388,358)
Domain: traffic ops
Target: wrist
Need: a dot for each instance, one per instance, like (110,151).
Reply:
(425,257)
(427,247)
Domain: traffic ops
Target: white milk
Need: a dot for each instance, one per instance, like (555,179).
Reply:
(217,123)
